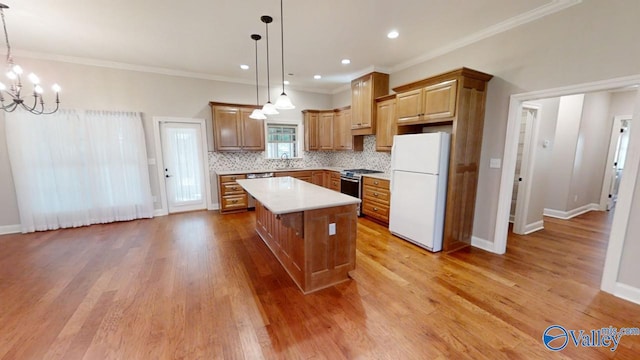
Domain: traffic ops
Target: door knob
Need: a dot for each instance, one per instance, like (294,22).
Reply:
(167,176)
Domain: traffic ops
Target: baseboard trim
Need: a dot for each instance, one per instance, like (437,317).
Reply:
(566,215)
(483,244)
(160,212)
(627,292)
(213,207)
(10,229)
(533,227)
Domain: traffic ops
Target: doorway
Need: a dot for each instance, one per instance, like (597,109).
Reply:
(182,165)
(627,185)
(616,160)
(524,168)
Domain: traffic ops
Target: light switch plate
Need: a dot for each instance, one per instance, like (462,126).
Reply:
(332,229)
(495,163)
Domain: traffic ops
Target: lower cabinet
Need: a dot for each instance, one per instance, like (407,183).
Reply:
(376,198)
(333,180)
(304,175)
(232,196)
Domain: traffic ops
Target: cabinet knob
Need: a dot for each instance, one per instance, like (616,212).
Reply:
(234,201)
(375,194)
(233,178)
(375,209)
(235,188)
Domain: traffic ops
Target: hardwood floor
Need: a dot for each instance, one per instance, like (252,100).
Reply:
(201,286)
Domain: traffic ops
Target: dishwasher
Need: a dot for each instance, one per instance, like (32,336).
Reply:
(251,201)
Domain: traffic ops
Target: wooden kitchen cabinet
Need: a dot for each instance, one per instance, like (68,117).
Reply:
(376,198)
(231,196)
(456,98)
(433,103)
(330,130)
(325,130)
(317,177)
(333,180)
(364,90)
(233,129)
(304,175)
(311,137)
(386,126)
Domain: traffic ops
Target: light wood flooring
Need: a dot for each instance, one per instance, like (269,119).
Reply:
(203,286)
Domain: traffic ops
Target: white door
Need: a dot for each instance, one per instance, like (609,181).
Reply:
(182,155)
(524,168)
(618,163)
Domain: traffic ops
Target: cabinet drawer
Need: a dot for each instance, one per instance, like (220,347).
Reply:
(376,194)
(231,188)
(384,184)
(231,178)
(334,184)
(380,212)
(234,202)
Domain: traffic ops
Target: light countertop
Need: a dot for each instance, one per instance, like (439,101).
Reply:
(283,195)
(382,176)
(259,171)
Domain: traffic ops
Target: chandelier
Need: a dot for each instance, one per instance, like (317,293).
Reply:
(15,87)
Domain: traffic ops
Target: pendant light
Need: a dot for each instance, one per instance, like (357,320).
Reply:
(283,101)
(268,108)
(257,113)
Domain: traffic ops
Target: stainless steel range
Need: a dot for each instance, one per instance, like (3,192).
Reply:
(351,182)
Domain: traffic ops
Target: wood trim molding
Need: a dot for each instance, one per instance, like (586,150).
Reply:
(246,106)
(483,244)
(10,229)
(465,72)
(566,215)
(627,292)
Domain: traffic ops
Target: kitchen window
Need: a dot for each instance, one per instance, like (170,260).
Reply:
(282,141)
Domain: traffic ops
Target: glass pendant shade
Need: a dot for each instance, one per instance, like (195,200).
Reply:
(257,115)
(284,102)
(269,109)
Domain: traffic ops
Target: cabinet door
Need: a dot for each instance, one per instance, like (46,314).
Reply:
(356,105)
(325,131)
(346,141)
(409,106)
(311,131)
(366,101)
(252,132)
(439,100)
(227,128)
(317,177)
(386,126)
(338,136)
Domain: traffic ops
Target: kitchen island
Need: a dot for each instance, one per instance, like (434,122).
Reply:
(310,230)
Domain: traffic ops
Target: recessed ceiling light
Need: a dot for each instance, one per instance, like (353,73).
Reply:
(317,77)
(286,82)
(393,34)
(244,67)
(346,61)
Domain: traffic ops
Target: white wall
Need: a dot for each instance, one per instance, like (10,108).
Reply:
(547,120)
(591,151)
(564,152)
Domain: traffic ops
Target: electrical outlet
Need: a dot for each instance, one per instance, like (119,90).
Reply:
(332,229)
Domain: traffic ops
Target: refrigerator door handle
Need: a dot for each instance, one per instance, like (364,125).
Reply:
(393,158)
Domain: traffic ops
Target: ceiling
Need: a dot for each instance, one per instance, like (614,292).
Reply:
(211,38)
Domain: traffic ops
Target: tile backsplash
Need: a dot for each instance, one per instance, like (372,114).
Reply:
(369,158)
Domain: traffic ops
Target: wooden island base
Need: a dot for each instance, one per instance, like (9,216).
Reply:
(301,242)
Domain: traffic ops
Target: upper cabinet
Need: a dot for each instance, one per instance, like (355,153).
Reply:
(433,103)
(329,130)
(364,90)
(233,129)
(386,126)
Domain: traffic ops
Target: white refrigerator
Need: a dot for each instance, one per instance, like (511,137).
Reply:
(419,167)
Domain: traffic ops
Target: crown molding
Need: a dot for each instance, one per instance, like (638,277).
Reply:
(540,12)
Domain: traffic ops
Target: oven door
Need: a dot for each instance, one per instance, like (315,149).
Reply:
(351,187)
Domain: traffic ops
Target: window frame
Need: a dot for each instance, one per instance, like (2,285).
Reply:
(297,142)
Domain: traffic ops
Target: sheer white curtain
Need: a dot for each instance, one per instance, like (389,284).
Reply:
(76,168)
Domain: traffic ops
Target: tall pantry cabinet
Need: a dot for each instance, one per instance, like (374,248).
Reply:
(456,98)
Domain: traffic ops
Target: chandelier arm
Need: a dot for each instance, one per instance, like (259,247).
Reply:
(52,111)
